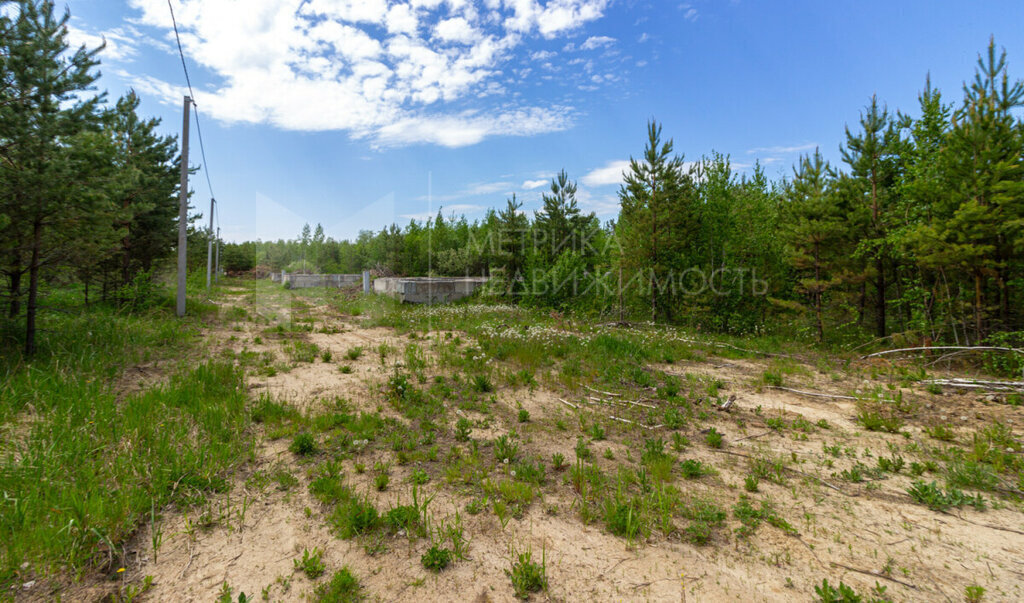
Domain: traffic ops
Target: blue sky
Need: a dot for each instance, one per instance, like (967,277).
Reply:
(359,113)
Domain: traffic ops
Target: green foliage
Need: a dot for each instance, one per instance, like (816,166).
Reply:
(310,564)
(436,559)
(343,587)
(304,444)
(934,497)
(528,576)
(713,438)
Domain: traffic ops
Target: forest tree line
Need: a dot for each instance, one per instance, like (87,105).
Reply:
(918,231)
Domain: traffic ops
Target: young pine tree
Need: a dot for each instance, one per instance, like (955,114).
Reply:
(813,228)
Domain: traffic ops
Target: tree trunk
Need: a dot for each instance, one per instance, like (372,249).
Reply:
(880,329)
(33,289)
(15,292)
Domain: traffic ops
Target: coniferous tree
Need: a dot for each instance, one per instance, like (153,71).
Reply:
(46,112)
(812,229)
(657,219)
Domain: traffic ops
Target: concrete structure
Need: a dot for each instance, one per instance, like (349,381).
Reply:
(306,281)
(426,290)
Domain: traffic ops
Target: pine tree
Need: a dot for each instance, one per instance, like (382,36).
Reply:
(657,218)
(873,158)
(47,111)
(812,230)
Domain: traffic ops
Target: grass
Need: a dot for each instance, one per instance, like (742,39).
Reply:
(527,575)
(91,463)
(436,559)
(310,564)
(343,587)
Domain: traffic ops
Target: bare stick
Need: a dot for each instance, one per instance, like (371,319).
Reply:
(569,404)
(875,574)
(597,391)
(814,394)
(944,347)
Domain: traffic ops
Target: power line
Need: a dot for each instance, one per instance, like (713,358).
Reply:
(188,81)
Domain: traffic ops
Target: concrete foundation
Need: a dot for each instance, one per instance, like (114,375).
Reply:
(426,290)
(307,281)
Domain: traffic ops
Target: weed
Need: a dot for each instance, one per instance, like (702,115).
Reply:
(462,429)
(436,559)
(345,369)
(506,448)
(772,378)
(750,483)
(326,356)
(527,575)
(524,415)
(841,594)
(310,564)
(876,421)
(354,353)
(353,517)
(596,432)
(713,438)
(343,588)
(583,451)
(304,444)
(694,469)
(932,496)
(680,442)
(974,593)
(891,464)
(482,384)
(941,432)
(558,461)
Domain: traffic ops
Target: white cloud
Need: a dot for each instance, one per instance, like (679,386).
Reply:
(611,173)
(534,184)
(456,30)
(595,42)
(121,42)
(779,150)
(543,55)
(689,12)
(376,69)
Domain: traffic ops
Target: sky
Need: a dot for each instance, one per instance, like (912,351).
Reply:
(355,114)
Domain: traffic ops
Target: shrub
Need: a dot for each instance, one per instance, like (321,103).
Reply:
(436,559)
(693,469)
(714,438)
(304,444)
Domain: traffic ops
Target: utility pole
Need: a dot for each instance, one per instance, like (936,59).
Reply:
(209,245)
(216,270)
(183,211)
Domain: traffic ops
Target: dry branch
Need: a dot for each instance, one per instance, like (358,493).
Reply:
(875,574)
(944,347)
(814,394)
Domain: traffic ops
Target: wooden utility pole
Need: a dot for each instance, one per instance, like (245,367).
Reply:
(216,259)
(209,245)
(183,211)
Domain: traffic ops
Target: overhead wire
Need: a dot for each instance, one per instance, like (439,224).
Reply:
(192,97)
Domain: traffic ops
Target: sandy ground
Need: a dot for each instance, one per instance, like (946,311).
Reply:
(859,533)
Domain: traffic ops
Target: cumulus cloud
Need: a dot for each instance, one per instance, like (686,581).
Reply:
(611,173)
(120,41)
(393,73)
(535,184)
(595,42)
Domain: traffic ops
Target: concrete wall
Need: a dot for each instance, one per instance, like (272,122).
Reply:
(306,281)
(424,290)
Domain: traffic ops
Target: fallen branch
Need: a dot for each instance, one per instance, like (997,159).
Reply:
(999,386)
(813,394)
(875,574)
(597,391)
(981,348)
(801,473)
(569,404)
(648,427)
